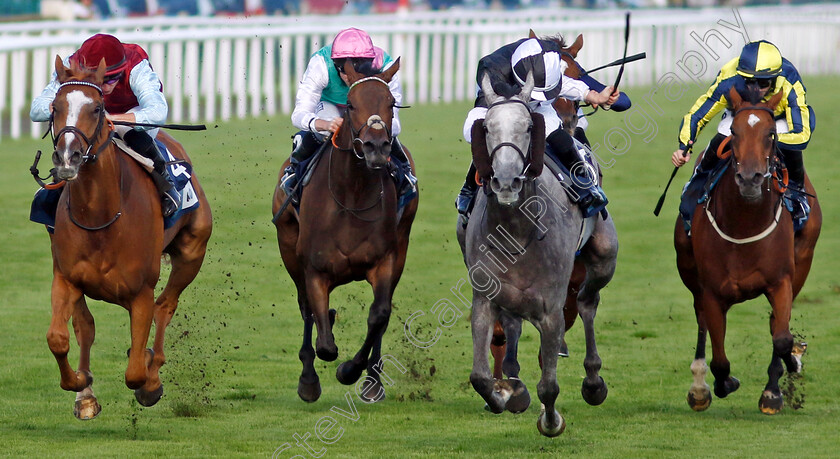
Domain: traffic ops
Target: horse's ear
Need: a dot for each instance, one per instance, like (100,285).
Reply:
(576,46)
(487,88)
(389,73)
(525,93)
(774,101)
(735,99)
(531,33)
(99,76)
(478,145)
(60,69)
(537,145)
(352,74)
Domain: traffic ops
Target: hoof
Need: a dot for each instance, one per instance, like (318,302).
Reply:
(348,372)
(770,403)
(311,392)
(727,387)
(520,400)
(327,355)
(86,408)
(148,398)
(547,431)
(699,400)
(594,394)
(798,351)
(372,391)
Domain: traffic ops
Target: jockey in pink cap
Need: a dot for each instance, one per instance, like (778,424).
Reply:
(322,94)
(132,92)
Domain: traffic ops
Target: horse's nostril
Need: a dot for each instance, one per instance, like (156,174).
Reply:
(516,186)
(495,185)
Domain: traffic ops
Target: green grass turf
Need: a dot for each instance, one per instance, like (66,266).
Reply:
(232,367)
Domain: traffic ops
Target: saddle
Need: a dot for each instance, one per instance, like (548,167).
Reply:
(572,186)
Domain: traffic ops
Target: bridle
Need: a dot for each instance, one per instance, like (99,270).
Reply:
(525,156)
(89,141)
(373,120)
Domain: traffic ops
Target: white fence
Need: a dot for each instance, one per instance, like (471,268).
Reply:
(218,68)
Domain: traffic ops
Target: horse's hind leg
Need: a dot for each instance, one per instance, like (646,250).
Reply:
(498,346)
(599,257)
(520,400)
(780,297)
(309,385)
(65,297)
(86,406)
(550,423)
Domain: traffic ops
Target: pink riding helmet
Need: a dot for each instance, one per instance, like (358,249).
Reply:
(352,42)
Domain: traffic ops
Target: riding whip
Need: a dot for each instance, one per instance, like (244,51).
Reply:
(676,168)
(626,40)
(178,127)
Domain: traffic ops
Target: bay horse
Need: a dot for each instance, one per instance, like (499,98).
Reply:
(348,229)
(108,241)
(742,245)
(519,247)
(567,110)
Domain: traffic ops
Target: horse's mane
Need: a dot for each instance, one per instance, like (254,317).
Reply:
(558,39)
(751,95)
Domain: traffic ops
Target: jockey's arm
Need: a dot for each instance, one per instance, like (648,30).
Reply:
(312,84)
(146,86)
(621,104)
(799,117)
(41,107)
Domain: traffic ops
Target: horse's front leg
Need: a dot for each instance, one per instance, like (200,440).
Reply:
(318,298)
(381,280)
(780,297)
(550,423)
(715,315)
(65,297)
(86,407)
(495,393)
(599,257)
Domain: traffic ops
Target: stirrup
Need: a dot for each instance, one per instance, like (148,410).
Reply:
(288,182)
(170,200)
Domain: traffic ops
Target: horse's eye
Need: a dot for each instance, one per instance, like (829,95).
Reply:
(350,107)
(97,110)
(530,127)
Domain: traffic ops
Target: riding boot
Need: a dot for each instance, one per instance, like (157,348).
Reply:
(796,200)
(403,176)
(304,145)
(580,135)
(142,143)
(466,197)
(585,189)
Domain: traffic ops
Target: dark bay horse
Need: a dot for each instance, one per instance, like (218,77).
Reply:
(108,241)
(520,248)
(742,245)
(348,229)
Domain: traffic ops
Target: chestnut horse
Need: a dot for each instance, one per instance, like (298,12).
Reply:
(742,245)
(108,241)
(567,111)
(348,229)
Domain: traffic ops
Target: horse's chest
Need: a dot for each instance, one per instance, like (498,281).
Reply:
(341,257)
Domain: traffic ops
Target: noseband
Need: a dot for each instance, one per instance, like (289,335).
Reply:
(87,156)
(373,122)
(525,156)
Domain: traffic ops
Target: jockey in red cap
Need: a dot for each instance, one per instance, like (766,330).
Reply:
(133,93)
(323,89)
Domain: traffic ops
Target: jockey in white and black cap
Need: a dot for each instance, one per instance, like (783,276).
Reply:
(546,65)
(508,68)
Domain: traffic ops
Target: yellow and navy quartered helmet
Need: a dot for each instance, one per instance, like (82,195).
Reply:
(760,59)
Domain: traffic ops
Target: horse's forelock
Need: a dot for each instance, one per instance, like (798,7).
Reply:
(558,39)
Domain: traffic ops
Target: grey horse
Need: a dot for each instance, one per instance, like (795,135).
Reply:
(519,246)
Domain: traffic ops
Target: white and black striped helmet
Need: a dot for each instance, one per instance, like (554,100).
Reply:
(546,65)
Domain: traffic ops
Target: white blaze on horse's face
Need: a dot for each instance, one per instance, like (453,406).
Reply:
(76,101)
(753,120)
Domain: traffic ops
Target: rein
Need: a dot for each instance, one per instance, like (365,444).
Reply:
(771,174)
(87,157)
(525,156)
